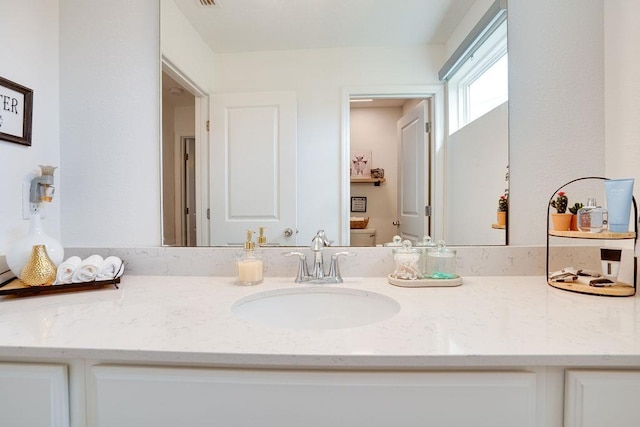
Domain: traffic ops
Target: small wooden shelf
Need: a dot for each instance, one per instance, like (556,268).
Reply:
(374,181)
(618,289)
(498,226)
(605,235)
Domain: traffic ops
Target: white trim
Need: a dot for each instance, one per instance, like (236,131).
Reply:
(202,170)
(436,93)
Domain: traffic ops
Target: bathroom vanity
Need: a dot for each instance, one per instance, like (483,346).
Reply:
(169,350)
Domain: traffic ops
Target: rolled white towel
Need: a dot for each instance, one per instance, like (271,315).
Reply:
(66,270)
(111,268)
(88,269)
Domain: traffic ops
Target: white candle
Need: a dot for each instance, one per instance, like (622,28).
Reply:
(250,271)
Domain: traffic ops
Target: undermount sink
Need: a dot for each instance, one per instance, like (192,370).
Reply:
(316,308)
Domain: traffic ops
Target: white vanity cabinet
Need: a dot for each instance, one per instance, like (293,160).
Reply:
(34,395)
(159,396)
(602,398)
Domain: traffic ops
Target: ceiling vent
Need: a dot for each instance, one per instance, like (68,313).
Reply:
(208,3)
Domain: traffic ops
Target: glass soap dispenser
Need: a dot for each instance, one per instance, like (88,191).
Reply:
(592,218)
(249,264)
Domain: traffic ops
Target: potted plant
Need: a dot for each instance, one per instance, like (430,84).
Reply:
(574,216)
(561,219)
(502,210)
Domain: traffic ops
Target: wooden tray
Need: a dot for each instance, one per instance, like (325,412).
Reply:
(619,289)
(17,288)
(424,283)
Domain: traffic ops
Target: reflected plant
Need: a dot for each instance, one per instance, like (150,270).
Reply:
(560,203)
(503,203)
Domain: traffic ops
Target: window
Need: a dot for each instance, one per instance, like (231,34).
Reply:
(481,82)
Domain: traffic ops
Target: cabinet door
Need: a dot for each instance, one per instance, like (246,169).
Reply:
(602,398)
(33,395)
(120,396)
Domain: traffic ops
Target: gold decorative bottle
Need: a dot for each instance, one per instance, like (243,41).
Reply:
(39,269)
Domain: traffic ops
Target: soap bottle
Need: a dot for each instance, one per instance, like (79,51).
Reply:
(592,218)
(249,264)
(262,239)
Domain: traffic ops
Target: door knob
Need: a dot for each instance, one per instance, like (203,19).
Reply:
(288,232)
(396,223)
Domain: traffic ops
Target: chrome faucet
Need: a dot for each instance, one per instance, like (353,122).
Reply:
(318,243)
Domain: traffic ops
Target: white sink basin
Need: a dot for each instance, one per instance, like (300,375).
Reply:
(316,308)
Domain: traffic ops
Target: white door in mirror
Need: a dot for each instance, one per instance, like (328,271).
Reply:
(253,166)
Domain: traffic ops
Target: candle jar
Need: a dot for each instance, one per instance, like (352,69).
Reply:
(250,268)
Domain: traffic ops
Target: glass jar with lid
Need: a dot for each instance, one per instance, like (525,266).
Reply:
(406,261)
(441,262)
(424,247)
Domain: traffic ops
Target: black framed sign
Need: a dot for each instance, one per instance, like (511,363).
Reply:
(358,204)
(16,109)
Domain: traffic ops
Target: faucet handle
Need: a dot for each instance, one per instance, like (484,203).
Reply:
(334,268)
(303,271)
(320,240)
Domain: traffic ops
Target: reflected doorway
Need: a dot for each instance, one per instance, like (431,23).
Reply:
(185,140)
(391,135)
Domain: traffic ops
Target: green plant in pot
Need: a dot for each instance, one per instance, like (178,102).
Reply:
(503,204)
(574,215)
(561,219)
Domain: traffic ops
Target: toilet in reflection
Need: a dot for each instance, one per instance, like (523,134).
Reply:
(363,237)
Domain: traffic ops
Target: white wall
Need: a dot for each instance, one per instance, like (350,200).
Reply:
(470,19)
(183,48)
(556,105)
(622,90)
(318,76)
(29,53)
(477,158)
(109,122)
(375,130)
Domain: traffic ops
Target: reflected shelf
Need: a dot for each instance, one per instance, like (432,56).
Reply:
(374,181)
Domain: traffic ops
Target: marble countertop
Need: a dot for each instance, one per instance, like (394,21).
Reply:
(486,322)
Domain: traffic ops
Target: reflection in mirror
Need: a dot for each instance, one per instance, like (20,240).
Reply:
(178,164)
(477,145)
(311,70)
(389,166)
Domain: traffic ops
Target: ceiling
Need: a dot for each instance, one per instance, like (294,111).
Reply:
(265,25)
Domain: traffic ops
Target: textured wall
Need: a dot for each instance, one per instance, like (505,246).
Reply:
(556,100)
(29,56)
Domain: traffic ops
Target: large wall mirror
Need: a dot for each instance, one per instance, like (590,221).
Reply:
(293,117)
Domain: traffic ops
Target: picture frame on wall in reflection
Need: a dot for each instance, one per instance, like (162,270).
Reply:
(360,164)
(16,110)
(358,204)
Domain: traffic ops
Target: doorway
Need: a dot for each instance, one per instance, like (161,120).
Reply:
(184,154)
(390,134)
(385,110)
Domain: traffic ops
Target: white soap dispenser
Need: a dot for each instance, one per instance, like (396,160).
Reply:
(249,264)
